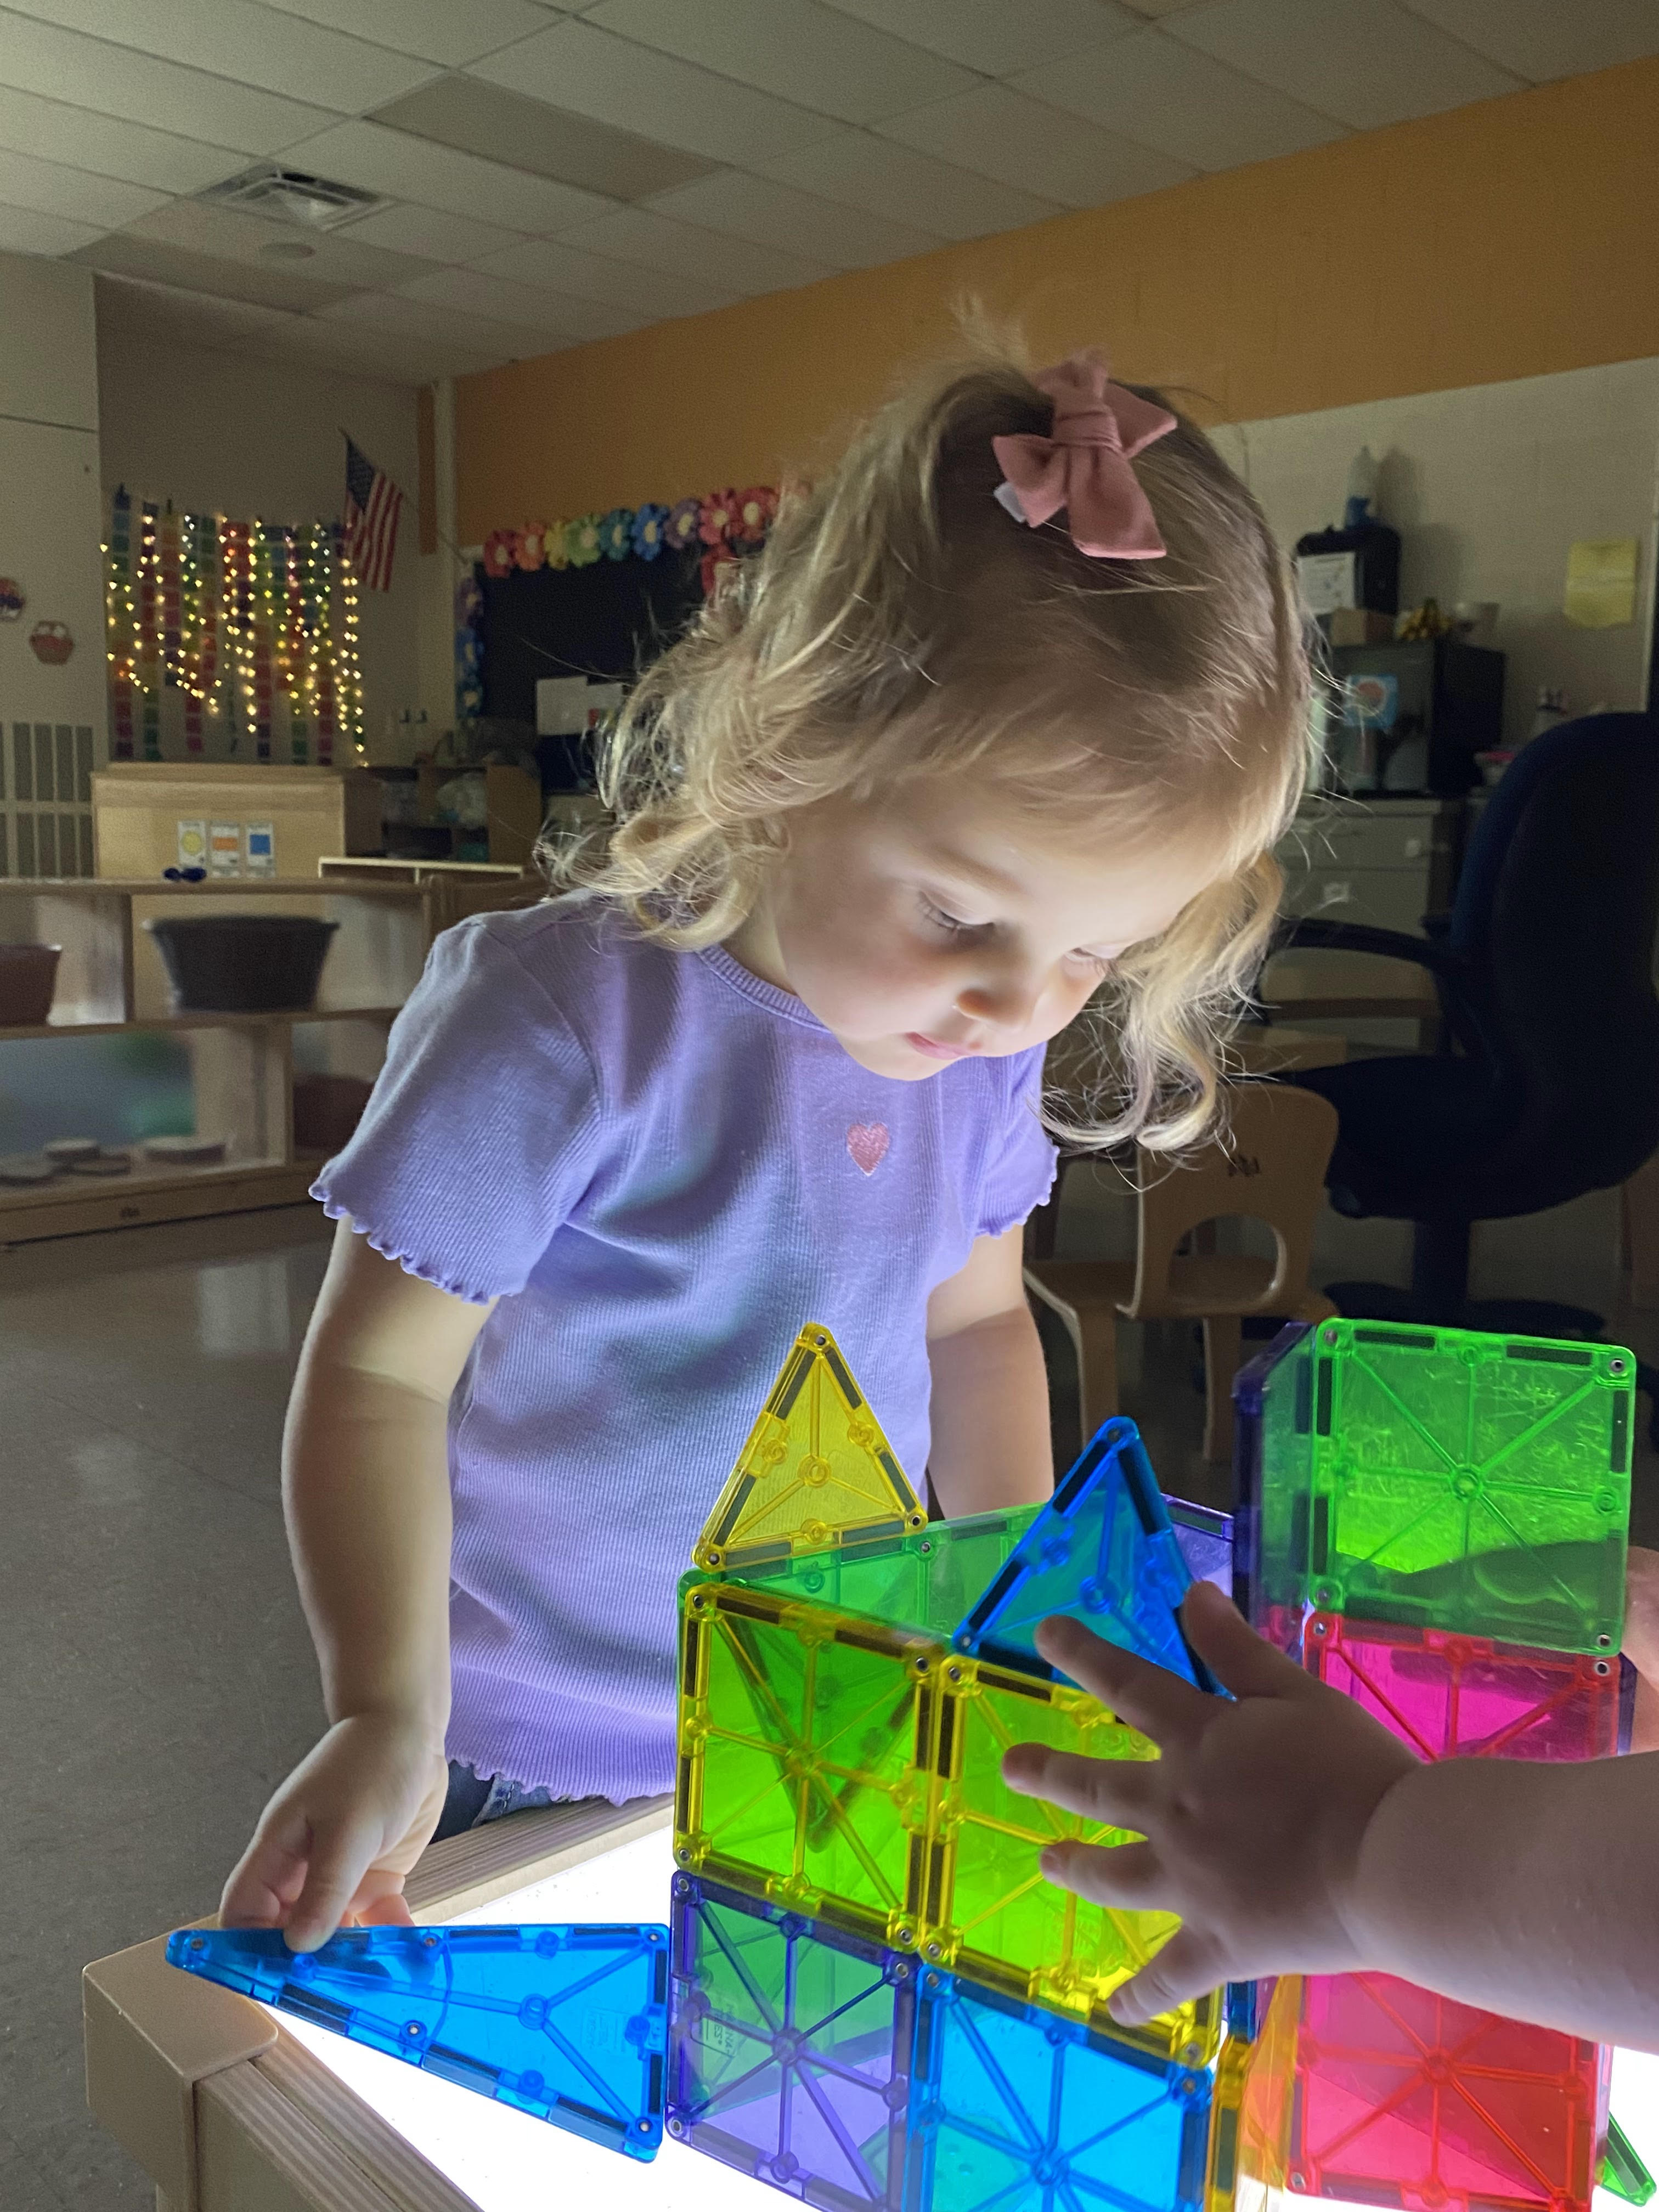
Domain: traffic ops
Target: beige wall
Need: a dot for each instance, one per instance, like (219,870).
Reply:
(49,489)
(232,435)
(1489,486)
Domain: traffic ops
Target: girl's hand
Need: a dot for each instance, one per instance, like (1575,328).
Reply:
(1253,1816)
(336,1841)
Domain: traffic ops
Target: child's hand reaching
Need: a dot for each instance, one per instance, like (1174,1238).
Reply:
(1254,1815)
(336,1841)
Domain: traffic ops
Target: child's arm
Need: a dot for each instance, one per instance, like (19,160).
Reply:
(990,1400)
(1292,1833)
(366,1486)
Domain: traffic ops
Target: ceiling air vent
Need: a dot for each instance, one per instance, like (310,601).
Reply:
(290,196)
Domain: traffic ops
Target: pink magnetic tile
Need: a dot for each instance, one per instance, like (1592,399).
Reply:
(1408,2100)
(1450,1696)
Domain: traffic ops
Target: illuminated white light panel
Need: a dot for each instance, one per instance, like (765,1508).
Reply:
(506,2161)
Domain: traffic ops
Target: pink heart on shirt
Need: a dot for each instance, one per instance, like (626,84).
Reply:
(867,1141)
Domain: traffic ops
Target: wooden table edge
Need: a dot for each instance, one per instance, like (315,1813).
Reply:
(228,2113)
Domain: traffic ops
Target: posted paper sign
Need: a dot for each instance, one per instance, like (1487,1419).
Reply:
(260,852)
(1601,591)
(225,849)
(1326,581)
(192,844)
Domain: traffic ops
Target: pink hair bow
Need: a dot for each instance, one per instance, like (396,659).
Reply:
(1084,465)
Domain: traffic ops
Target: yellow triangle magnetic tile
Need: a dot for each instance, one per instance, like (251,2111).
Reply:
(816,1468)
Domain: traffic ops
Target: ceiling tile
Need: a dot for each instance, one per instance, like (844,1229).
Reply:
(420,319)
(575,65)
(123,254)
(114,81)
(829,62)
(1034,148)
(989,35)
(733,264)
(27,230)
(472,292)
(487,119)
(768,213)
(109,147)
(50,189)
(408,168)
(336,259)
(428,234)
(1546,39)
(1367,62)
(248,44)
(653,292)
(1181,101)
(436,30)
(862,171)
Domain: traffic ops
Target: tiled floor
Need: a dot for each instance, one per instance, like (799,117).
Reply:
(157,1674)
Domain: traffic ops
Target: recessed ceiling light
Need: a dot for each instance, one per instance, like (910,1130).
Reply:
(286,249)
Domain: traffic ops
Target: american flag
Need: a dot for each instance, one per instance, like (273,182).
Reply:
(373,505)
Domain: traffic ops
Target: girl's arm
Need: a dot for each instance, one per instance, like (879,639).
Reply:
(990,1403)
(1293,1835)
(366,1489)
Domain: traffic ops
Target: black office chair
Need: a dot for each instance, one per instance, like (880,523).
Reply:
(1544,970)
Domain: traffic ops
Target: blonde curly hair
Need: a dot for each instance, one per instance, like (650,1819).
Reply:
(900,624)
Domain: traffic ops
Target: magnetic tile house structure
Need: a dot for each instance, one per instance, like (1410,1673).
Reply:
(1434,1522)
(877,2000)
(868,1996)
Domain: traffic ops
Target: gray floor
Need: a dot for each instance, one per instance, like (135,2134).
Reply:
(157,1678)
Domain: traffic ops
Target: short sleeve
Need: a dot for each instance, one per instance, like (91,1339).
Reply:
(1018,1171)
(481,1134)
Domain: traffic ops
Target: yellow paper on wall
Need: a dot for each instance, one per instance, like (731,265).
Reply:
(1600,582)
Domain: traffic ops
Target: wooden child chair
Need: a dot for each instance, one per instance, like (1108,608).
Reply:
(1265,1163)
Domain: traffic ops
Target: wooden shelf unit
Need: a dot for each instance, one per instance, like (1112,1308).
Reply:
(111,982)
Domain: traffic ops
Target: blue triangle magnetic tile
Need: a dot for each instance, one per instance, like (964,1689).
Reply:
(1101,1550)
(567,2023)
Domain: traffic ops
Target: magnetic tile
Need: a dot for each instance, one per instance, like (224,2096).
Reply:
(567,2023)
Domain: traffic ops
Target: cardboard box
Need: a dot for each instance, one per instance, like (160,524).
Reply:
(149,816)
(1358,626)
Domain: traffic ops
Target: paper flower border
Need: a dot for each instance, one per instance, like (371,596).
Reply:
(716,525)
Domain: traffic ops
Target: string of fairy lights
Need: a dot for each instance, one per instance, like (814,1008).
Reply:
(254,624)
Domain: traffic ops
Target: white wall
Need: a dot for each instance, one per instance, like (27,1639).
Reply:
(1488,487)
(229,434)
(49,490)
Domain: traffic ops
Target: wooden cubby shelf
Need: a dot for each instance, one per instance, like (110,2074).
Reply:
(111,982)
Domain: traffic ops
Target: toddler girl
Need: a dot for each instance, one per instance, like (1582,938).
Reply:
(1006,717)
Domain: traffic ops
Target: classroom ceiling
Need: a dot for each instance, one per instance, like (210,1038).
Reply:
(541,175)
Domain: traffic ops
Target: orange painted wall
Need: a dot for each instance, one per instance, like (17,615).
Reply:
(1506,240)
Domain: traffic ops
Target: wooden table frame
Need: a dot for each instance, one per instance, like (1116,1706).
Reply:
(225,2113)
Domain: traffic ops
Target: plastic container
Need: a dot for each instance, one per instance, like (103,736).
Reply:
(243,964)
(28,976)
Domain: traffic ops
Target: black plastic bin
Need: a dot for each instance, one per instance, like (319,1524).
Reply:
(243,964)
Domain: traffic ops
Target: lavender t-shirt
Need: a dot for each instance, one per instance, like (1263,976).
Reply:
(662,1166)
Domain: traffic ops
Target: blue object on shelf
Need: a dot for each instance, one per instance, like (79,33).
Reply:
(1018,2107)
(567,2023)
(1103,1550)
